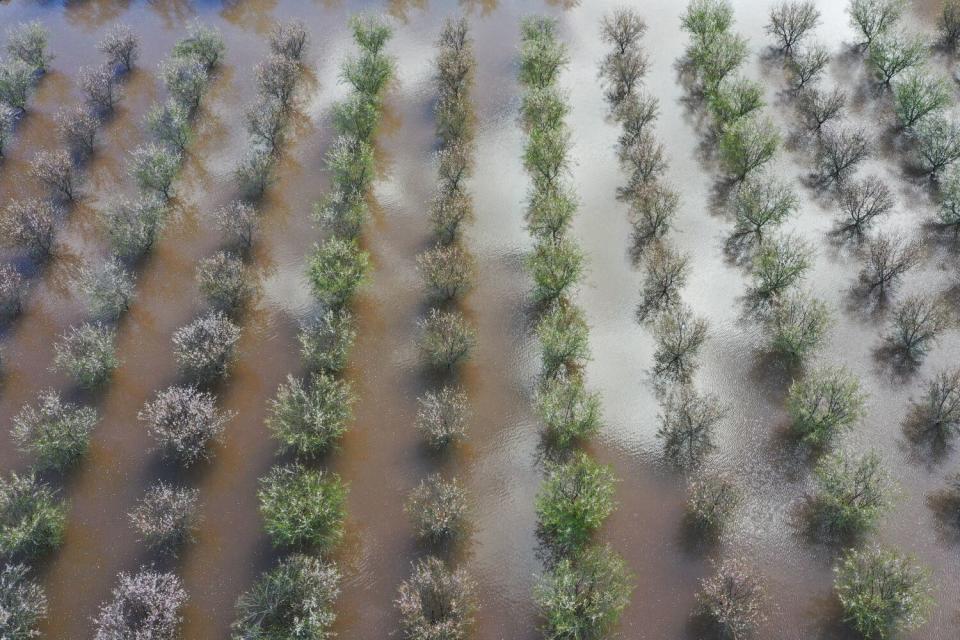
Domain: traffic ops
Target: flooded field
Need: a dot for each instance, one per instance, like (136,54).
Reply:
(381,457)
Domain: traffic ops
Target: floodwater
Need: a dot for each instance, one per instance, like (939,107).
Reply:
(381,457)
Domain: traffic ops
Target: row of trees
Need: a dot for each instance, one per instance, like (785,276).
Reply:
(438,599)
(586,584)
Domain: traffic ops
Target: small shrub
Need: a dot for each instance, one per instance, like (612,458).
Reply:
(711,502)
(917,95)
(862,201)
(295,599)
(27,42)
(326,341)
(447,271)
(576,497)
(852,494)
(569,412)
(203,44)
(889,55)
(54,432)
(840,149)
(687,425)
(937,141)
(16,84)
(583,596)
(818,108)
(28,225)
(23,603)
(13,289)
(779,263)
(32,519)
(184,421)
(917,323)
(555,267)
(825,403)
(760,203)
(108,288)
(169,124)
(290,40)
(436,602)
(154,168)
(133,225)
(882,592)
(143,605)
(746,145)
(873,18)
(732,599)
(54,169)
(888,258)
(336,271)
(204,347)
(166,516)
(223,281)
(277,79)
(798,326)
(310,418)
(790,22)
(302,508)
(442,416)
(186,80)
(78,131)
(564,339)
(121,46)
(437,509)
(99,89)
(937,414)
(239,220)
(679,335)
(446,338)
(87,353)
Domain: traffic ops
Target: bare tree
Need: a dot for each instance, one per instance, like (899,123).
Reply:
(679,335)
(666,273)
(687,425)
(29,225)
(99,88)
(56,171)
(121,46)
(791,21)
(888,259)
(841,148)
(290,40)
(917,323)
(862,201)
(78,130)
(818,107)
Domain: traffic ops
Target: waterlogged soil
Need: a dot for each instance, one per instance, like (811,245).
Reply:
(381,458)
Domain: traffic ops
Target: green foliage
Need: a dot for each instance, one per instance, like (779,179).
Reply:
(27,43)
(203,44)
(882,592)
(32,519)
(576,497)
(87,353)
(336,271)
(133,225)
(852,494)
(779,263)
(169,124)
(223,281)
(873,18)
(326,341)
(889,56)
(918,94)
(545,155)
(711,502)
(54,432)
(438,509)
(550,212)
(293,601)
(564,339)
(154,169)
(825,403)
(762,202)
(446,338)
(447,271)
(937,140)
(734,99)
(371,71)
(16,84)
(442,416)
(555,267)
(187,81)
(542,56)
(949,24)
(109,287)
(747,144)
(570,413)
(302,508)
(581,597)
(254,173)
(716,59)
(309,418)
(799,324)
(23,603)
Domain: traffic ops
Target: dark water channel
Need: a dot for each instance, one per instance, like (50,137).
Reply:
(381,457)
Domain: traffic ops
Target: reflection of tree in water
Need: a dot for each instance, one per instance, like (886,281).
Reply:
(91,14)
(251,14)
(564,4)
(173,12)
(399,8)
(486,7)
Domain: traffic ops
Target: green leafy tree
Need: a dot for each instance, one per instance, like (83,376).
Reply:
(302,508)
(574,500)
(309,418)
(825,403)
(55,432)
(32,518)
(851,495)
(747,144)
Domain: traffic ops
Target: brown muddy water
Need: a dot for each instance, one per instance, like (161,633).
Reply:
(381,458)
